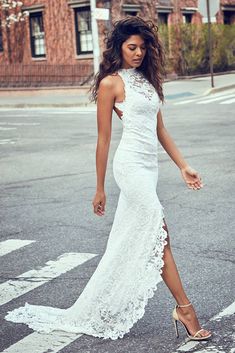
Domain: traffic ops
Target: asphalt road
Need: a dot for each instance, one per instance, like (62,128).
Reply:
(47,165)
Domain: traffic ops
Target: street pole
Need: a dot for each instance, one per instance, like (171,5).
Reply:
(95,37)
(210,42)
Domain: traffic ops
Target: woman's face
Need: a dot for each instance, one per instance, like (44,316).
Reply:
(133,51)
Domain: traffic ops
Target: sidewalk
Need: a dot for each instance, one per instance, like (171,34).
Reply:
(198,86)
(78,97)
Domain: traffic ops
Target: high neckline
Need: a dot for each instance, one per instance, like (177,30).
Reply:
(129,69)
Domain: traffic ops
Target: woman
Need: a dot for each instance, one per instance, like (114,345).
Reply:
(138,251)
(135,93)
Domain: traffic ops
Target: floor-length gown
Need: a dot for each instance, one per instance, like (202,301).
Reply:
(130,269)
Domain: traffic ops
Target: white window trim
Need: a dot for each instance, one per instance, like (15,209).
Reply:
(131,7)
(164,9)
(189,10)
(78,3)
(84,56)
(228,8)
(34,8)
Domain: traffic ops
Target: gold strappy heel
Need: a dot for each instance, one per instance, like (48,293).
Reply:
(196,336)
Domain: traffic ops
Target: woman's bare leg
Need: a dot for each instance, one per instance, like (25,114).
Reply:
(171,277)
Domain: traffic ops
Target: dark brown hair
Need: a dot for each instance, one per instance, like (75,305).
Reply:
(153,64)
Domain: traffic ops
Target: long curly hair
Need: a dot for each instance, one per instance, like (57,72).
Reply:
(153,64)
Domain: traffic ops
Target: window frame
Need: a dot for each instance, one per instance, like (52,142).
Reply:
(32,42)
(1,39)
(227,15)
(79,51)
(162,15)
(131,13)
(187,17)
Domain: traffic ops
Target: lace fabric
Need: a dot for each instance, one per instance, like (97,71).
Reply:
(128,273)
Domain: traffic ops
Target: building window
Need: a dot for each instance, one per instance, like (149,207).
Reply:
(229,17)
(187,17)
(37,35)
(1,42)
(131,9)
(131,13)
(83,30)
(162,18)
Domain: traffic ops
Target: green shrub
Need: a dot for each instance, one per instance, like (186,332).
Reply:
(187,50)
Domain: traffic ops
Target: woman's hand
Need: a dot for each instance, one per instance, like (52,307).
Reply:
(192,178)
(99,202)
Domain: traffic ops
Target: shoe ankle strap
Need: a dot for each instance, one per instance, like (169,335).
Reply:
(183,306)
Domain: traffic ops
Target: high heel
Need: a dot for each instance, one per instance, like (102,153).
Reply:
(175,317)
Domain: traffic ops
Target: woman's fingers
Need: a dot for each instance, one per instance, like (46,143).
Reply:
(195,186)
(192,179)
(99,209)
(199,184)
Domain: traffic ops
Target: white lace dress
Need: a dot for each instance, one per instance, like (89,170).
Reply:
(129,271)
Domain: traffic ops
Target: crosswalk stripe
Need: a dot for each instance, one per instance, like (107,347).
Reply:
(41,343)
(201,350)
(6,141)
(186,102)
(215,99)
(18,124)
(10,245)
(229,311)
(32,279)
(230,101)
(7,128)
(185,347)
(205,98)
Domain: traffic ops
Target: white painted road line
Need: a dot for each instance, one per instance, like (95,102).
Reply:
(187,101)
(10,245)
(187,346)
(201,98)
(229,311)
(18,124)
(230,101)
(215,99)
(80,111)
(53,110)
(35,278)
(212,349)
(7,128)
(6,141)
(41,343)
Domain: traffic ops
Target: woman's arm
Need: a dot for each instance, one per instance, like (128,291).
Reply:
(105,101)
(168,144)
(190,176)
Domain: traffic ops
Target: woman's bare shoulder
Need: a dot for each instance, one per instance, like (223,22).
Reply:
(109,81)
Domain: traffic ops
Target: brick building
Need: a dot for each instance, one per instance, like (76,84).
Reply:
(55,40)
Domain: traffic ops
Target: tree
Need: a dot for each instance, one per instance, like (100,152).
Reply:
(11,12)
(12,20)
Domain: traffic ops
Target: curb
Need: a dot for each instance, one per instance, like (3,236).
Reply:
(45,88)
(59,105)
(86,87)
(191,77)
(219,89)
(208,92)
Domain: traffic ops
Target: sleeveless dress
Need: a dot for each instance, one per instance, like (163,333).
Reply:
(130,269)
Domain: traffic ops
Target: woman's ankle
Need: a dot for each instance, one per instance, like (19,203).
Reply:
(184,303)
